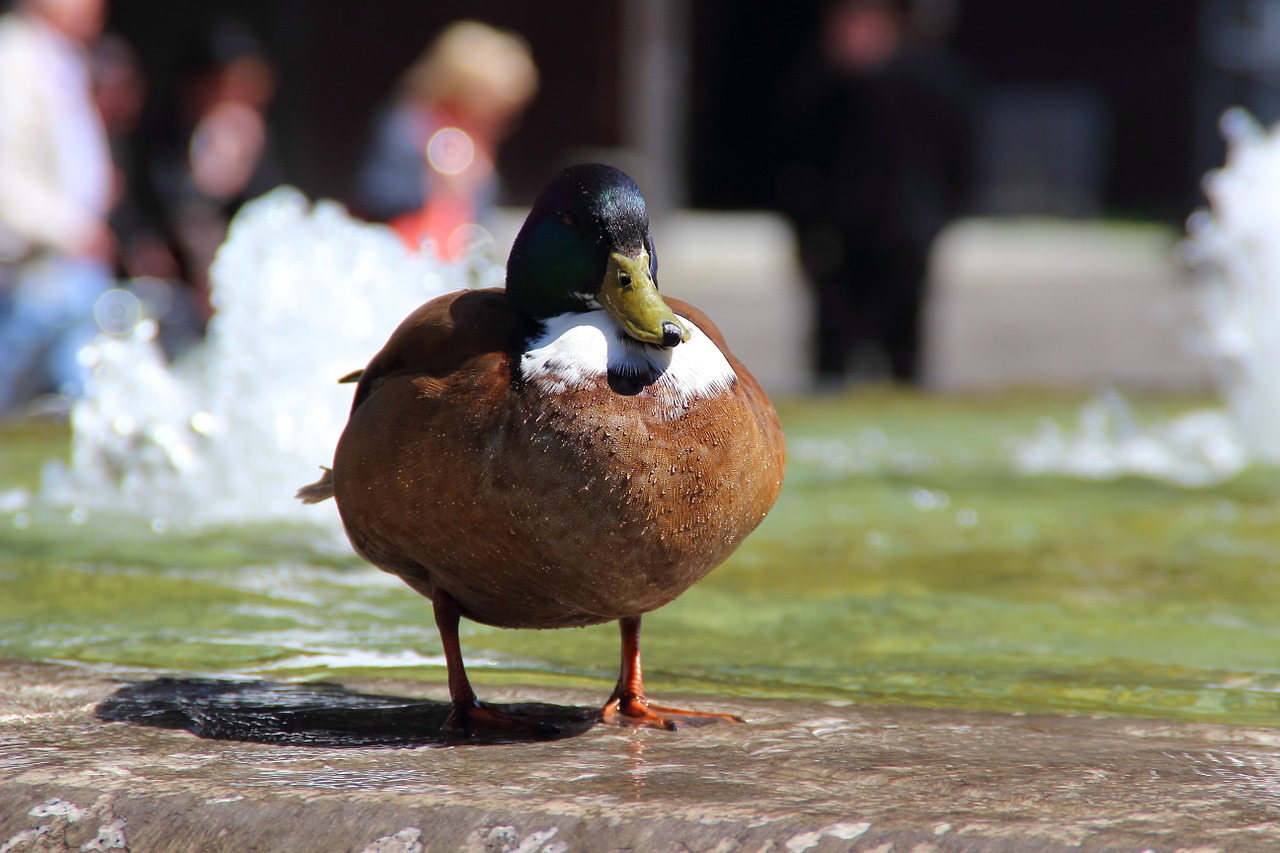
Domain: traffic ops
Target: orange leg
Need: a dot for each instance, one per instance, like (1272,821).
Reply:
(468,715)
(628,705)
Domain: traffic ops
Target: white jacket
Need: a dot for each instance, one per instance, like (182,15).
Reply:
(55,162)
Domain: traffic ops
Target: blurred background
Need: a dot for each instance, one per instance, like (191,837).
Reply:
(935,172)
(1101,108)
(901,149)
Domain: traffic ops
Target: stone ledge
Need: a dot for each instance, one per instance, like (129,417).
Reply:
(1061,304)
(797,777)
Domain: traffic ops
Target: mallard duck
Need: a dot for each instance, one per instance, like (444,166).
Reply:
(570,450)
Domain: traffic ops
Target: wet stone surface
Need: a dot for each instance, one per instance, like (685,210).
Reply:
(361,769)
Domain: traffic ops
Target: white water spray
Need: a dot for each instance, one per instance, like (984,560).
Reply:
(1234,247)
(303,295)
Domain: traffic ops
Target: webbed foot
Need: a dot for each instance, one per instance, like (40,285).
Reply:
(639,712)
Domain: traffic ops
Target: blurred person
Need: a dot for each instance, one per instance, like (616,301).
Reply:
(874,162)
(56,247)
(146,255)
(220,153)
(429,167)
(120,91)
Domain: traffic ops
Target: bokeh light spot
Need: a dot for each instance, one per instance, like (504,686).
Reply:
(450,151)
(117,311)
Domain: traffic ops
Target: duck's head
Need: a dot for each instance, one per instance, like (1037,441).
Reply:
(586,245)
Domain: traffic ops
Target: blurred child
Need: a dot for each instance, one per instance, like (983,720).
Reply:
(429,170)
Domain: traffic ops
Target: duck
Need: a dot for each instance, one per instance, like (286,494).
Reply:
(572,449)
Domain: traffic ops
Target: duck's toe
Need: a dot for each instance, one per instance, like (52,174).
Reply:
(639,712)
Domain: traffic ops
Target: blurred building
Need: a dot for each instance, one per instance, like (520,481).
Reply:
(1088,107)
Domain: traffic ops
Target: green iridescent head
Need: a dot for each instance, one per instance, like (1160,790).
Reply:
(586,245)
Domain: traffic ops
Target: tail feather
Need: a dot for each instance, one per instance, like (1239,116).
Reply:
(320,490)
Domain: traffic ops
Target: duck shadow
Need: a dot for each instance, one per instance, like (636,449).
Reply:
(319,715)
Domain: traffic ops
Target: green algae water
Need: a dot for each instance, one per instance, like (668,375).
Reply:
(907,562)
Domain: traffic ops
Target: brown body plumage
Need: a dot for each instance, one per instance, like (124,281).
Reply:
(538,510)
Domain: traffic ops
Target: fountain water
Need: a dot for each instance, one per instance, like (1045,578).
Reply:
(303,295)
(1235,249)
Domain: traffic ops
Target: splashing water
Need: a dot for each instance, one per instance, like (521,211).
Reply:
(1235,249)
(303,295)
(1196,449)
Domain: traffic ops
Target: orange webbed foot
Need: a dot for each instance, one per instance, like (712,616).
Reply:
(639,712)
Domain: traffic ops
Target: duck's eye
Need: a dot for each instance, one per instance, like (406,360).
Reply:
(568,219)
